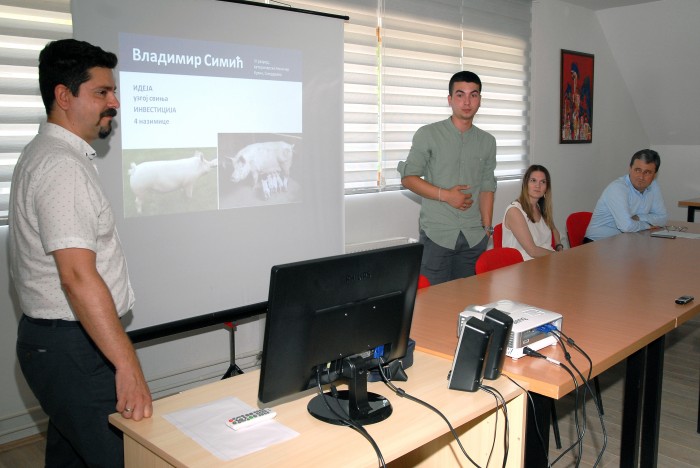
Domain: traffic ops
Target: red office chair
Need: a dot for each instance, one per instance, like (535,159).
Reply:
(423,282)
(493,259)
(498,236)
(576,225)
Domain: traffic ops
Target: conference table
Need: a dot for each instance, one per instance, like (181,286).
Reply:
(412,435)
(617,298)
(693,205)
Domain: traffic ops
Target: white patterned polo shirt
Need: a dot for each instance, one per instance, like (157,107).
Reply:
(57,202)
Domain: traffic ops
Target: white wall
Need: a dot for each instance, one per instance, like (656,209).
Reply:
(655,47)
(679,177)
(169,366)
(579,173)
(18,411)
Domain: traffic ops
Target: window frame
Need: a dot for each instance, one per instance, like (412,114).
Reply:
(26,26)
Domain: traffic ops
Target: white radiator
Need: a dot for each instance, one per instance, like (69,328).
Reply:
(378,244)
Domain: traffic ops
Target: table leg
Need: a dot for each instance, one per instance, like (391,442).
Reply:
(632,409)
(691,214)
(539,420)
(652,402)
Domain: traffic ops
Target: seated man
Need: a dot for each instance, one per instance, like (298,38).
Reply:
(631,203)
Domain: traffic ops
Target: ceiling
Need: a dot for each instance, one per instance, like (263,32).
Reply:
(605,4)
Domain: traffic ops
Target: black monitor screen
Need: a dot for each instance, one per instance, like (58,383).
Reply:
(333,316)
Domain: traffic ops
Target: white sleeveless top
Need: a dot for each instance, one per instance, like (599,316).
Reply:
(541,234)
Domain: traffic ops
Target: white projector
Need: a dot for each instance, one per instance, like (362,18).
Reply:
(526,320)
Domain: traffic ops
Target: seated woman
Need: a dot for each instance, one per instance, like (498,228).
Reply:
(528,223)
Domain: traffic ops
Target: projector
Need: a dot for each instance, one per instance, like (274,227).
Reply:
(526,320)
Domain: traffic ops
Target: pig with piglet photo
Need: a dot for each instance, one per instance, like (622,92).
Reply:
(258,169)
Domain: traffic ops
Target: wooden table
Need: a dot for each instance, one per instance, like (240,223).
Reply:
(412,434)
(617,299)
(693,204)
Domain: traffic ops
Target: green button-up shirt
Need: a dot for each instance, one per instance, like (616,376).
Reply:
(445,157)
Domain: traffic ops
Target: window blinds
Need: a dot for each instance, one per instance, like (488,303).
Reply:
(25,27)
(399,57)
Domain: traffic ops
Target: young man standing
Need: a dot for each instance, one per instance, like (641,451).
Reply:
(451,165)
(68,268)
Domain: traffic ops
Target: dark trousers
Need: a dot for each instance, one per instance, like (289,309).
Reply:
(440,264)
(75,385)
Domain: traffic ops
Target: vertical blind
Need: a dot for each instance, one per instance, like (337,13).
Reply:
(399,57)
(25,27)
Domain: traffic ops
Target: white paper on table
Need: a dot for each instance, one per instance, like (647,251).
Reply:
(686,235)
(206,425)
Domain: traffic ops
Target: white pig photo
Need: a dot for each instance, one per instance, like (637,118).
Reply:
(259,169)
(170,185)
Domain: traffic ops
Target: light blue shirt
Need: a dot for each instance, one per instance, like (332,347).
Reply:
(619,202)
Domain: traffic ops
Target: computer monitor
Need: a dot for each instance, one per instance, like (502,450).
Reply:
(334,317)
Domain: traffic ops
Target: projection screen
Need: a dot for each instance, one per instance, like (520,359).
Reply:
(226,155)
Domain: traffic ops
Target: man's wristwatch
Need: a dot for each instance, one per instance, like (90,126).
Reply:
(489,229)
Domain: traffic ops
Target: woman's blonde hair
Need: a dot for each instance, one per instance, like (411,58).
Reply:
(545,203)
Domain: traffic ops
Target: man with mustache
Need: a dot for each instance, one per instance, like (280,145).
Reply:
(68,267)
(630,203)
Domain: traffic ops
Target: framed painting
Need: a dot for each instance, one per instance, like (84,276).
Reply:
(576,97)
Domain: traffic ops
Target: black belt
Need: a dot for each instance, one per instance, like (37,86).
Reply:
(52,322)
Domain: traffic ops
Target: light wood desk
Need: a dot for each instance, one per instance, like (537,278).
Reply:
(693,204)
(617,299)
(411,435)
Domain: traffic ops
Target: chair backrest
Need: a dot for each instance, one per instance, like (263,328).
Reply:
(576,225)
(493,259)
(498,236)
(423,282)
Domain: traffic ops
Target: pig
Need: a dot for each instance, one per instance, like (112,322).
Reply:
(272,183)
(267,163)
(266,189)
(167,176)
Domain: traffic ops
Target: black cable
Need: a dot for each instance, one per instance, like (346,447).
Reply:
(577,347)
(567,356)
(530,352)
(346,419)
(495,428)
(598,403)
(579,441)
(402,393)
(506,430)
(534,419)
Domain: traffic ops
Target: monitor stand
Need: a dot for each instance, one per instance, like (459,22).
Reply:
(356,403)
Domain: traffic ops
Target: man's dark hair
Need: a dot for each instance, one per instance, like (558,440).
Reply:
(67,62)
(647,156)
(465,76)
